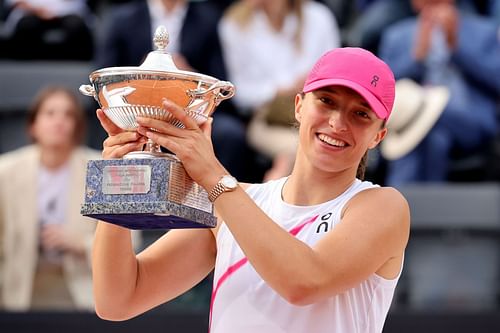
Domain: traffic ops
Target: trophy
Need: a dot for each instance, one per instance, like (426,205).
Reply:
(150,189)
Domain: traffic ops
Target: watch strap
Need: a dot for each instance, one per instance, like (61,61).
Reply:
(216,191)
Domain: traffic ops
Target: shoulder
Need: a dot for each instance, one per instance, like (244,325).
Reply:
(385,197)
(319,18)
(318,13)
(19,156)
(228,25)
(89,153)
(317,9)
(83,154)
(385,206)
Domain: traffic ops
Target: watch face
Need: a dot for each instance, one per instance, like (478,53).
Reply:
(229,182)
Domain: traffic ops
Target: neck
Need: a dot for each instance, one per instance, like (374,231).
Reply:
(276,12)
(170,5)
(53,158)
(308,185)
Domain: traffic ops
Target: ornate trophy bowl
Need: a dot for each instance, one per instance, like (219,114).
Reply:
(150,189)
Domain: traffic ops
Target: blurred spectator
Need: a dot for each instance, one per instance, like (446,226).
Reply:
(47,29)
(192,26)
(444,46)
(375,15)
(269,46)
(45,243)
(194,46)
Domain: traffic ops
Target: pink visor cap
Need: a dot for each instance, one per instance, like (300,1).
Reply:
(359,70)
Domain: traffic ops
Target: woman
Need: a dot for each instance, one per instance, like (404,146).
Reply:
(311,252)
(46,243)
(269,46)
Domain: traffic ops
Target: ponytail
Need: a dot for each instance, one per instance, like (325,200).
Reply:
(360,173)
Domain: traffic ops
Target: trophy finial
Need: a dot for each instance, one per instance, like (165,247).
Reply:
(161,38)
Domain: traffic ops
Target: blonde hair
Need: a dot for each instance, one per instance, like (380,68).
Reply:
(241,13)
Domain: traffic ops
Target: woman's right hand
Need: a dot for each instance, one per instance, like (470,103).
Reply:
(119,142)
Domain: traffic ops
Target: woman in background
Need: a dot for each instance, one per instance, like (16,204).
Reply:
(269,46)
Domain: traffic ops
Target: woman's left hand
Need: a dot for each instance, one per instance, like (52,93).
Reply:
(192,144)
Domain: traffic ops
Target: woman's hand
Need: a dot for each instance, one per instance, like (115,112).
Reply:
(443,15)
(447,16)
(192,144)
(423,38)
(119,142)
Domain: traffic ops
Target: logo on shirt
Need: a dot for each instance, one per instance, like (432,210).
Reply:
(324,224)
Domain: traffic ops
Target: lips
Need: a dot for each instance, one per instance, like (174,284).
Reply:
(332,141)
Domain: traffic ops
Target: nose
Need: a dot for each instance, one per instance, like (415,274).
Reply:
(337,121)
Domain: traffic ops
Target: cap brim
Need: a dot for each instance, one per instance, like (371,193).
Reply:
(396,145)
(373,101)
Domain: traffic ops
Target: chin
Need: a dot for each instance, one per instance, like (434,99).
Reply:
(58,144)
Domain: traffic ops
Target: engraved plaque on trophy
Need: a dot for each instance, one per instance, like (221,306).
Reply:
(150,189)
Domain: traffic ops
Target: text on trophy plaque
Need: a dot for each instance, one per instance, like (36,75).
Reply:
(126,179)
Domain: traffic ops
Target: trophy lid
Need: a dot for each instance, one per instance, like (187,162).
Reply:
(157,62)
(126,92)
(160,59)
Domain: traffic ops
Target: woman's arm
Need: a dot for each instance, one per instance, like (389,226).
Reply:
(367,239)
(126,285)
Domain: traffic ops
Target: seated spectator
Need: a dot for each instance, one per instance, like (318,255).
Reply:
(269,46)
(194,46)
(443,46)
(371,20)
(43,29)
(45,242)
(375,15)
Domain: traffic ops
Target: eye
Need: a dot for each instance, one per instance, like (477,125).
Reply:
(363,114)
(327,100)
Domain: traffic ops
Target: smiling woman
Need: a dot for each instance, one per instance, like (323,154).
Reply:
(277,245)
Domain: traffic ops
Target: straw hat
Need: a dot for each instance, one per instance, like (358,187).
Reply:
(416,110)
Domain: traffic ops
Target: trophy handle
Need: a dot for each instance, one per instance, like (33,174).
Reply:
(226,90)
(88,90)
(222,90)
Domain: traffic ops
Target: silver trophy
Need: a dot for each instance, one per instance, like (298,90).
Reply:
(150,189)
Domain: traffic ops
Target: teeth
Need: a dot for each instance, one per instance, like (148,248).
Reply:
(331,141)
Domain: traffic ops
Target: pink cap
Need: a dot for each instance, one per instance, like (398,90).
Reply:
(359,70)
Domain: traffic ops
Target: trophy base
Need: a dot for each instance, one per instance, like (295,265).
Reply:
(156,215)
(146,193)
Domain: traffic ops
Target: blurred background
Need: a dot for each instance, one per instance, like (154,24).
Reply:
(444,156)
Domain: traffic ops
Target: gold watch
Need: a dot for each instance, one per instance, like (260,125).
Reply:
(226,184)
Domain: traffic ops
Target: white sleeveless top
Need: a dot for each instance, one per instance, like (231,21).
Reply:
(242,302)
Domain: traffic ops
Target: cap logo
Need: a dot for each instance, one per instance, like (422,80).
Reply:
(375,79)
